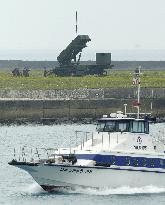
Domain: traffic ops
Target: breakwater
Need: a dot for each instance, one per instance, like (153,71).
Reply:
(38,106)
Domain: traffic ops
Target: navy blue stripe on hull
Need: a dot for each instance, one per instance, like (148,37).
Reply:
(125,160)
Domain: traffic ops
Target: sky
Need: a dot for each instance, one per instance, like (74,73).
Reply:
(40,29)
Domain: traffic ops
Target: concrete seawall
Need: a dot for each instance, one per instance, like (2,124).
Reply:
(36,110)
(55,105)
(84,93)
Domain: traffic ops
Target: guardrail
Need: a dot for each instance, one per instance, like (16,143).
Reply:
(32,154)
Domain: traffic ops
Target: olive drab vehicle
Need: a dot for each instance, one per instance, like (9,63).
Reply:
(70,64)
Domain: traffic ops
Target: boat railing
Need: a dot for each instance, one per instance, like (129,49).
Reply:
(81,137)
(33,154)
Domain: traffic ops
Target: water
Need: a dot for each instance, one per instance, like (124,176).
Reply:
(17,187)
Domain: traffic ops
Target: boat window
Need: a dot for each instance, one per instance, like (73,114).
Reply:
(127,161)
(100,126)
(144,162)
(161,162)
(147,127)
(152,163)
(135,162)
(138,126)
(113,160)
(123,126)
(110,126)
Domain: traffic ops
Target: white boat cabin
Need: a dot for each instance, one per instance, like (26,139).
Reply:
(123,125)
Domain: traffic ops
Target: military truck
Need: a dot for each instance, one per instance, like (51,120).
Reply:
(70,64)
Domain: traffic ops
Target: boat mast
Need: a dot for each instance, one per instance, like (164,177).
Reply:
(136,81)
(138,107)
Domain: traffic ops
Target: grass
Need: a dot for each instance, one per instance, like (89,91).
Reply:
(116,79)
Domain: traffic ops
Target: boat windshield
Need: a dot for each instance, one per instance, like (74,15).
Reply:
(140,127)
(100,126)
(110,126)
(123,126)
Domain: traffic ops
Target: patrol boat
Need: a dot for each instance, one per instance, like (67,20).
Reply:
(121,152)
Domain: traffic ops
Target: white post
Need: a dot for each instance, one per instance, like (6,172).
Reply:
(151,107)
(109,140)
(76,138)
(138,108)
(70,144)
(137,77)
(86,136)
(14,154)
(81,142)
(92,139)
(152,93)
(125,108)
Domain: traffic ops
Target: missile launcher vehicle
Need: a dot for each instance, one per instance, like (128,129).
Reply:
(69,60)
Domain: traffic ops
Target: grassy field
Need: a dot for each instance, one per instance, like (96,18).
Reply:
(116,79)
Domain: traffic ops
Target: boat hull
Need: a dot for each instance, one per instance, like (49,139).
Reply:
(50,177)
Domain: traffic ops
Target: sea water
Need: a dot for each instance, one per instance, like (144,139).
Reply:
(18,187)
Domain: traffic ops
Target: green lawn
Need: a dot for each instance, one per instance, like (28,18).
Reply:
(116,79)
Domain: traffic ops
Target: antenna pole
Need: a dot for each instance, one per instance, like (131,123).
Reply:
(136,82)
(76,24)
(138,108)
(138,100)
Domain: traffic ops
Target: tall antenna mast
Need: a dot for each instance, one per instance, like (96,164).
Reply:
(136,82)
(76,24)
(138,77)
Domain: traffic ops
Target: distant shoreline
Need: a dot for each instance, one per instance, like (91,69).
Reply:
(118,65)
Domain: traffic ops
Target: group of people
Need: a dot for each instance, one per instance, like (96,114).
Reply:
(17,73)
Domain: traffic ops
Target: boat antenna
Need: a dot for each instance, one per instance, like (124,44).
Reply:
(136,82)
